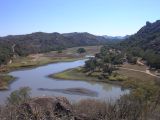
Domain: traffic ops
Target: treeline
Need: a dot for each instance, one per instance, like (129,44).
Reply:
(151,57)
(23,45)
(5,53)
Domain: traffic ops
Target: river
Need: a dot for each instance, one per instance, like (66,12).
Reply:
(36,78)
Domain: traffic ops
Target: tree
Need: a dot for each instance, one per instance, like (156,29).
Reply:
(108,68)
(106,59)
(5,54)
(19,96)
(103,50)
(81,50)
(131,59)
(90,65)
(59,51)
(117,59)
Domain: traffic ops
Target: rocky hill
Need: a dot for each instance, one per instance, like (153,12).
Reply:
(148,37)
(145,43)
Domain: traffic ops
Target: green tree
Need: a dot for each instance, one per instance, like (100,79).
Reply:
(108,69)
(81,50)
(131,59)
(59,51)
(19,96)
(90,65)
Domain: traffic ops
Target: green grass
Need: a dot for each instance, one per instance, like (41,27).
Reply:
(117,77)
(73,74)
(78,74)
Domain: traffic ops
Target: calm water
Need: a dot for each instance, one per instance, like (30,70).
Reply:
(37,78)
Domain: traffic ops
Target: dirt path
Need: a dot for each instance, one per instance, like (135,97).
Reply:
(140,63)
(147,71)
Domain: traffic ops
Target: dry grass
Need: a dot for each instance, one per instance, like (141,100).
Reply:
(92,108)
(127,108)
(136,67)
(136,75)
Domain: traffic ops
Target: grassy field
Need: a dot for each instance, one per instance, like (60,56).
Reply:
(90,50)
(78,74)
(135,66)
(73,74)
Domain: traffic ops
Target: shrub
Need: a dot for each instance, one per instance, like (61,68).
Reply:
(19,96)
(81,50)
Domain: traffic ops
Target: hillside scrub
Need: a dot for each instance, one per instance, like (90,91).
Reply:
(128,107)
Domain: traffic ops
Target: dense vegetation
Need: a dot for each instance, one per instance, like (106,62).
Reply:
(104,62)
(145,43)
(39,42)
(105,66)
(5,53)
(143,96)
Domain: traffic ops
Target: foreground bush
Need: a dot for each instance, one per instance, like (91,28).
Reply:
(128,107)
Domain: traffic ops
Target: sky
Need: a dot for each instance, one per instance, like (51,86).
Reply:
(99,17)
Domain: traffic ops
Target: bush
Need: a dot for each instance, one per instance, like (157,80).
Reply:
(19,96)
(81,50)
(131,59)
(59,51)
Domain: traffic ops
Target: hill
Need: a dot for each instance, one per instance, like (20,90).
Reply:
(145,43)
(39,42)
(148,37)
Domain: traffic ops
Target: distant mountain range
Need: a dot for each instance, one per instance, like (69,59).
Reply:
(119,38)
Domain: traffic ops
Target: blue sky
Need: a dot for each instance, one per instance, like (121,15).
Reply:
(100,17)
